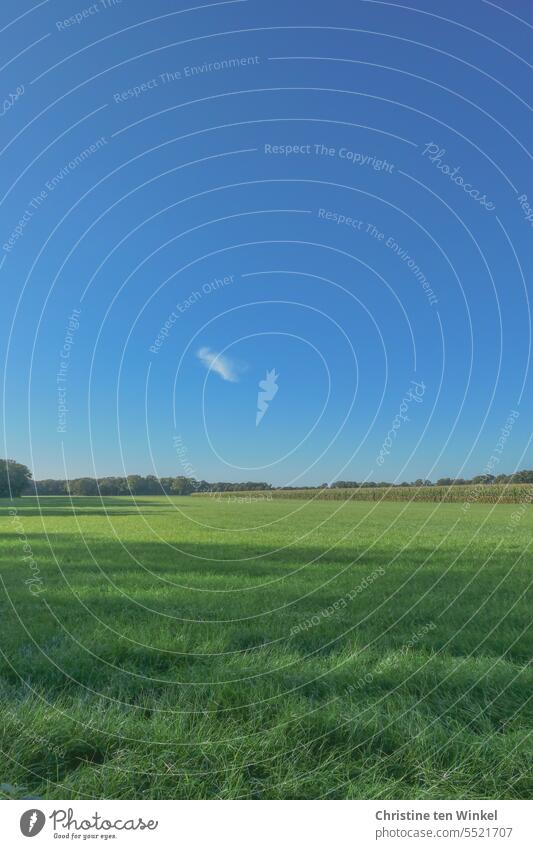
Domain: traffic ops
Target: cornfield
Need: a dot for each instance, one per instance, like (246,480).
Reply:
(468,493)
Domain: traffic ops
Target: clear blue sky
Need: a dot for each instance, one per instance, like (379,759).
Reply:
(309,158)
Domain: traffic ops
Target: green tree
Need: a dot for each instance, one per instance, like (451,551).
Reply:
(112,486)
(83,486)
(50,486)
(14,478)
(135,484)
(485,479)
(182,485)
(151,485)
(525,476)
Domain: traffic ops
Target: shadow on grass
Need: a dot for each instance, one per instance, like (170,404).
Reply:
(242,559)
(275,593)
(51,505)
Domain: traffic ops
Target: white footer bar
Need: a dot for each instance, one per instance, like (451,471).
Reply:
(267,824)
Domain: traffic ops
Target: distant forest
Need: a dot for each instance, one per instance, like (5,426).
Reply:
(151,485)
(16,479)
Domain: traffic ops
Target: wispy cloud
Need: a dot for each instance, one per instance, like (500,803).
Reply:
(218,363)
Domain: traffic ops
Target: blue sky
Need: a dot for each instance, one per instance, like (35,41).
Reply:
(192,198)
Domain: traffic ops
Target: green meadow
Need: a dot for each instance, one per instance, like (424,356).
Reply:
(199,648)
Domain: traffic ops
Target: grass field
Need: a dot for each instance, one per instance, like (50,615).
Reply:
(190,648)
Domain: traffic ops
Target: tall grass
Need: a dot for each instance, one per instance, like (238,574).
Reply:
(470,493)
(183,648)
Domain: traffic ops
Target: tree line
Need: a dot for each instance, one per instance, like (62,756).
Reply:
(138,485)
(524,476)
(16,480)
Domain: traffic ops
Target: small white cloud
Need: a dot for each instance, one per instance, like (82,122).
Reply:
(218,363)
